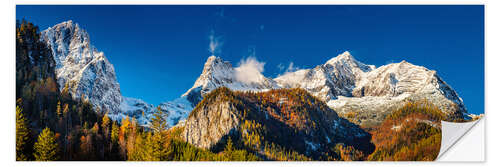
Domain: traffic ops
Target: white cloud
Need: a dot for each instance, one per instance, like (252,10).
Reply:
(291,73)
(291,68)
(281,67)
(250,70)
(215,43)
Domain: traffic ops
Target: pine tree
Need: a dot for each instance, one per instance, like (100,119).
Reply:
(114,136)
(46,147)
(114,132)
(22,135)
(158,124)
(228,150)
(158,146)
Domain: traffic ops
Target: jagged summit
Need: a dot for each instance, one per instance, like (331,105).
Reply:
(347,59)
(85,70)
(346,56)
(214,71)
(214,60)
(337,77)
(217,73)
(348,85)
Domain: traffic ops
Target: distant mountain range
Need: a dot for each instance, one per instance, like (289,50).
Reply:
(346,85)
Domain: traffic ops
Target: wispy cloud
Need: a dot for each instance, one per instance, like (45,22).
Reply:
(215,43)
(291,68)
(290,72)
(281,67)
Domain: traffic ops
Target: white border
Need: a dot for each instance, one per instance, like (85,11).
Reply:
(7,82)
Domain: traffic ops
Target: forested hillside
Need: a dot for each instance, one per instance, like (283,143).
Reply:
(281,124)
(410,133)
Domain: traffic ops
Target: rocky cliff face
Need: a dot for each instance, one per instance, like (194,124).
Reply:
(80,66)
(289,118)
(207,127)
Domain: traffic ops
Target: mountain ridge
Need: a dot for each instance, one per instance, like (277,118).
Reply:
(343,83)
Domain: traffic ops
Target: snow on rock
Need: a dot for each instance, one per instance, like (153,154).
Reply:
(175,111)
(217,73)
(347,85)
(405,81)
(85,70)
(337,77)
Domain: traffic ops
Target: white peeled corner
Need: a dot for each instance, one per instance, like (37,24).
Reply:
(454,134)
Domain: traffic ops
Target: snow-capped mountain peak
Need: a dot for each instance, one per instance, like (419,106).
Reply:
(217,72)
(85,70)
(345,56)
(337,77)
(348,85)
(346,59)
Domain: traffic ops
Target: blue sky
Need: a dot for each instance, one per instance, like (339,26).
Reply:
(159,51)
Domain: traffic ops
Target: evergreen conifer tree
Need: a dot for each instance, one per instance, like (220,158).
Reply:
(158,125)
(22,135)
(46,147)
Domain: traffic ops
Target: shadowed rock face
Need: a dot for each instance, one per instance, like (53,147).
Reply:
(305,125)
